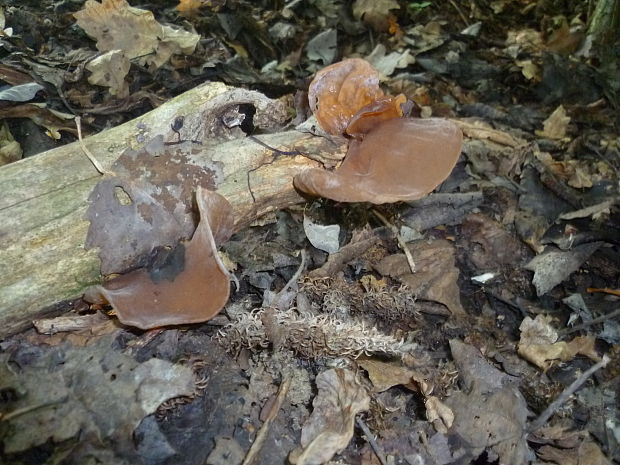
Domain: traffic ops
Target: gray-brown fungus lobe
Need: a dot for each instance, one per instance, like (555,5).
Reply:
(149,204)
(188,289)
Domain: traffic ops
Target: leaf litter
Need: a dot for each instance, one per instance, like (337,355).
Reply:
(439,367)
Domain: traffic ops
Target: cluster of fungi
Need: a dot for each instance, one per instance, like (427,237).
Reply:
(391,157)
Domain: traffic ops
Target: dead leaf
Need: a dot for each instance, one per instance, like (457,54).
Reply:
(475,372)
(564,40)
(227,451)
(386,64)
(538,344)
(552,267)
(477,129)
(555,126)
(495,422)
(189,8)
(577,173)
(439,414)
(375,13)
(10,150)
(323,46)
(530,70)
(51,120)
(330,426)
(490,414)
(490,245)
(559,435)
(384,375)
(95,390)
(21,93)
(109,70)
(117,26)
(538,330)
(436,275)
(587,453)
(523,40)
(323,237)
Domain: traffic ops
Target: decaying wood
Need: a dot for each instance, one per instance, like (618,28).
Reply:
(43,226)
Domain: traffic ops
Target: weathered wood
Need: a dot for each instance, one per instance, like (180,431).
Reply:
(44,200)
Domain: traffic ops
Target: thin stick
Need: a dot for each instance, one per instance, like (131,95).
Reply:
(604,290)
(458,10)
(277,299)
(276,152)
(564,395)
(264,429)
(593,321)
(24,410)
(90,156)
(293,281)
(378,450)
(401,242)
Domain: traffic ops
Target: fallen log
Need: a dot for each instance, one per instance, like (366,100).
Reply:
(43,223)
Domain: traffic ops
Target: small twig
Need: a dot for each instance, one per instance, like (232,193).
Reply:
(603,290)
(24,410)
(293,281)
(277,153)
(401,242)
(291,4)
(264,429)
(89,155)
(278,299)
(458,10)
(564,395)
(378,450)
(336,261)
(593,321)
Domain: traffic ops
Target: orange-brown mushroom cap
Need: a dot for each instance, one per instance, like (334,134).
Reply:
(401,159)
(338,91)
(195,294)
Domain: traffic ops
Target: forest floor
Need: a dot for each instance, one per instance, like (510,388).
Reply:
(494,340)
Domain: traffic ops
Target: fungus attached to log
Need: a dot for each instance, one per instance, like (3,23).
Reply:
(340,90)
(391,157)
(401,159)
(192,289)
(372,114)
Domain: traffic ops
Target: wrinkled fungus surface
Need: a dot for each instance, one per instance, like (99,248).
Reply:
(191,287)
(401,159)
(340,90)
(372,114)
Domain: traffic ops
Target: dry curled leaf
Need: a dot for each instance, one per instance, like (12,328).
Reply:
(330,426)
(116,25)
(556,125)
(189,8)
(376,13)
(385,375)
(109,70)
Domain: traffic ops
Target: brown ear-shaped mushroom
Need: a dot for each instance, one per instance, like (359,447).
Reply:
(401,159)
(193,289)
(338,91)
(372,114)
